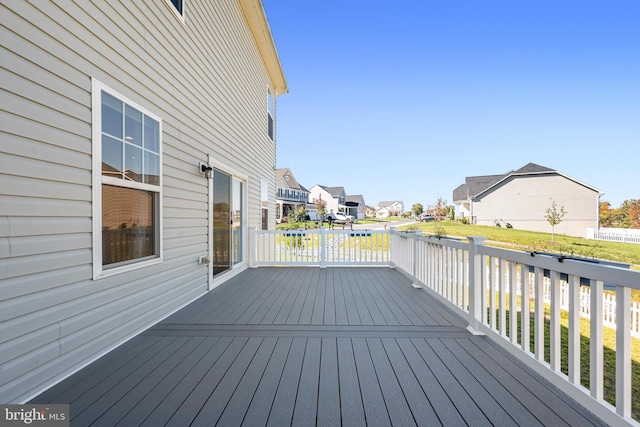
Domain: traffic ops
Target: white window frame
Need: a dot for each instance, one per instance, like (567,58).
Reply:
(98,179)
(174,10)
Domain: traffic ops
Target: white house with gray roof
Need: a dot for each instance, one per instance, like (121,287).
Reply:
(522,197)
(335,197)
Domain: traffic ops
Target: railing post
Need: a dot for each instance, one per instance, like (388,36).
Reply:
(253,244)
(323,248)
(475,283)
(623,351)
(414,267)
(392,232)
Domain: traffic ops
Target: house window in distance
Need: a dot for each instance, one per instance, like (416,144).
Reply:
(127,183)
(271,114)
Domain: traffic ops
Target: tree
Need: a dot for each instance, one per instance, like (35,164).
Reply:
(301,213)
(606,214)
(626,216)
(321,207)
(630,214)
(554,216)
(440,212)
(417,209)
(634,213)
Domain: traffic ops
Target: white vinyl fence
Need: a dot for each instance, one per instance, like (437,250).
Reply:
(623,235)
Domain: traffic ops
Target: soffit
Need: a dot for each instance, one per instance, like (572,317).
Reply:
(257,20)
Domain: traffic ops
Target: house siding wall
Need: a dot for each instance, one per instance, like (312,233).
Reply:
(205,78)
(523,201)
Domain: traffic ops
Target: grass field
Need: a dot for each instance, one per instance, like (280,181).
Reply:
(541,242)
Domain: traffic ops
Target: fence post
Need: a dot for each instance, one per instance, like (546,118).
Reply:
(475,283)
(253,243)
(392,231)
(323,248)
(414,267)
(623,351)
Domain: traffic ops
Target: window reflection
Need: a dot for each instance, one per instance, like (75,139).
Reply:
(111,115)
(128,228)
(151,134)
(133,126)
(134,154)
(133,163)
(111,157)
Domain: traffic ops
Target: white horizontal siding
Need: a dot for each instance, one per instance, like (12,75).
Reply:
(204,78)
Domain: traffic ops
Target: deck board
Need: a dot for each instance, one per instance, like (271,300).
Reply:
(310,346)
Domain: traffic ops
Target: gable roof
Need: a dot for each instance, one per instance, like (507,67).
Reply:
(285,179)
(389,203)
(356,198)
(334,191)
(475,186)
(533,168)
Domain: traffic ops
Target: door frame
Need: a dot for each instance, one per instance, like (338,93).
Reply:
(242,265)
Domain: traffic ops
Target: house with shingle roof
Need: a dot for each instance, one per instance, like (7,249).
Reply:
(389,208)
(335,197)
(289,193)
(356,206)
(521,198)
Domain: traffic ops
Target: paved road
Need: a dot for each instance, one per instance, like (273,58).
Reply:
(376,226)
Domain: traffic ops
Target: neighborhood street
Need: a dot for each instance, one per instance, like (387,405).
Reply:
(375,226)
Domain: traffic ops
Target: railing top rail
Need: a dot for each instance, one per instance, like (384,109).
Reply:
(590,269)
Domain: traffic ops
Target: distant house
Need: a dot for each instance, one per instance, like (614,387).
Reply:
(356,206)
(370,211)
(289,193)
(522,197)
(389,208)
(335,197)
(138,149)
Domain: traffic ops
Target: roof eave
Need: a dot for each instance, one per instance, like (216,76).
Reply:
(257,19)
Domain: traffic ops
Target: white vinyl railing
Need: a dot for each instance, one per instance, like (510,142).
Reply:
(321,247)
(623,235)
(514,297)
(487,284)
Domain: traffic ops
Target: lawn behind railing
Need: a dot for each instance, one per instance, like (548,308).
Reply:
(530,241)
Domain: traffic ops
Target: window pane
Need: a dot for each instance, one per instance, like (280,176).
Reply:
(133,126)
(178,5)
(151,168)
(128,230)
(151,134)
(271,104)
(111,157)
(133,163)
(111,115)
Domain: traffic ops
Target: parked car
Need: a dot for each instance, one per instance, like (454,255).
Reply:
(427,217)
(343,217)
(329,217)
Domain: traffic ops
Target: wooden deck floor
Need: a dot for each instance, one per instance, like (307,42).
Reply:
(310,346)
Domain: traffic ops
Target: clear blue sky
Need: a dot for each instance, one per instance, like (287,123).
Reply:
(402,100)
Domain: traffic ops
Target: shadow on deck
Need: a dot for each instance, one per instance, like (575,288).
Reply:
(311,346)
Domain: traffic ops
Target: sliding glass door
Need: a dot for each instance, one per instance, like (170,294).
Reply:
(228,218)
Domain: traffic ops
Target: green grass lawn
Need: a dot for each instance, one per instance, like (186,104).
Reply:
(541,242)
